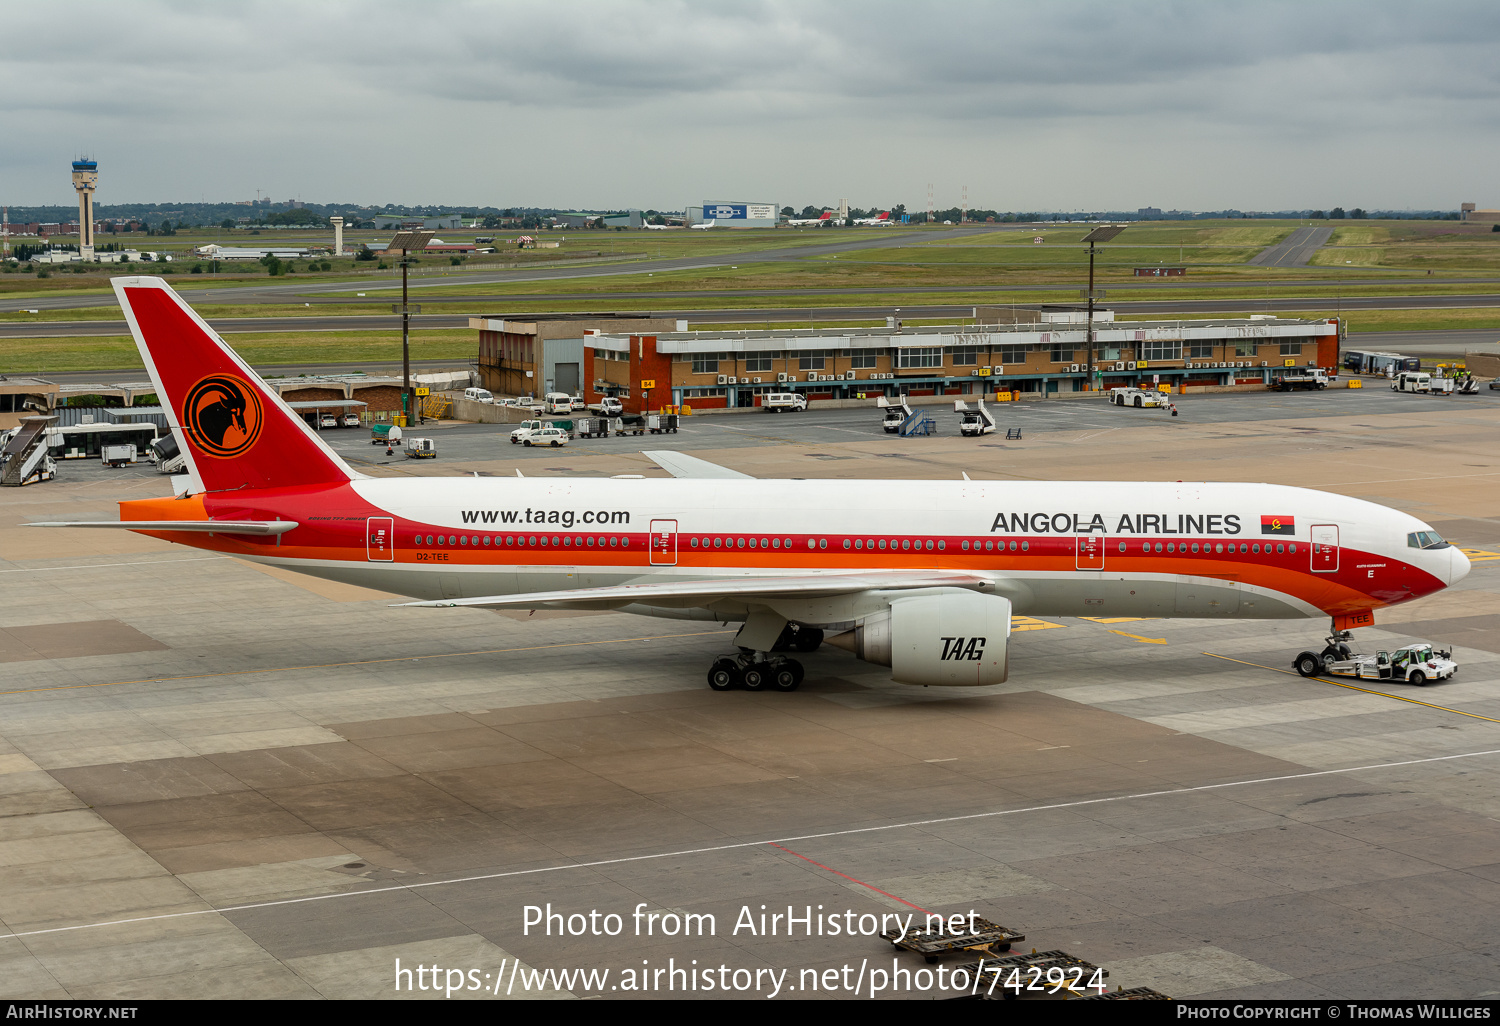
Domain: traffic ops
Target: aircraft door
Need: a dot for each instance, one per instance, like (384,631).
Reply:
(1325,548)
(1090,552)
(663,543)
(380,539)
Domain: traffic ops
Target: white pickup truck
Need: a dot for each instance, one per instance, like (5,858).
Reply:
(609,406)
(526,430)
(775,402)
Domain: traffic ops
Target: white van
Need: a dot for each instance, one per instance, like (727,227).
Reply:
(775,402)
(558,402)
(478,395)
(1412,381)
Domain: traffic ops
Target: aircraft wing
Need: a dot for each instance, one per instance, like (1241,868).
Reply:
(682,465)
(211,526)
(725,587)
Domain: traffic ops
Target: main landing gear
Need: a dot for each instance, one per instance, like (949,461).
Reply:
(766,671)
(755,671)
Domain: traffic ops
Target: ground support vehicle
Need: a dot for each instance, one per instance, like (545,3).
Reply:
(1415,664)
(592,427)
(609,406)
(896,413)
(519,435)
(479,395)
(974,422)
(557,402)
(553,436)
(531,427)
(379,433)
(662,423)
(985,937)
(633,425)
(775,402)
(1313,377)
(1467,386)
(1412,381)
(420,449)
(118,455)
(1139,398)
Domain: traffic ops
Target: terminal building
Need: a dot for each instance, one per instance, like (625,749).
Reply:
(536,354)
(716,369)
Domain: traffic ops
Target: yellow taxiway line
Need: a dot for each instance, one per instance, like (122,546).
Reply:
(1352,687)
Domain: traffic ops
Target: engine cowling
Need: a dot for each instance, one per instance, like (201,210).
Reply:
(946,637)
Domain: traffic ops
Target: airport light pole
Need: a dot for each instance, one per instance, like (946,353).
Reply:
(1101,234)
(405,242)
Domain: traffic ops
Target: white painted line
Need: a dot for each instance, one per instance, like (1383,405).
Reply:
(754,844)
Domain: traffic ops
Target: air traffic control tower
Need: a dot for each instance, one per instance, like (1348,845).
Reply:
(85,177)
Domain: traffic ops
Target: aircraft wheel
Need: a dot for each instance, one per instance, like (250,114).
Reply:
(1418,678)
(796,670)
(753,677)
(1309,665)
(1331,655)
(723,674)
(784,678)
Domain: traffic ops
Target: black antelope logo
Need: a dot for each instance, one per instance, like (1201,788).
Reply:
(222,415)
(960,649)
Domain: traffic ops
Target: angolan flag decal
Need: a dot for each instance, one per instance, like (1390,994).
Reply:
(1278,525)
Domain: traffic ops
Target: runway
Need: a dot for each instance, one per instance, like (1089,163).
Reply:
(219,781)
(1294,251)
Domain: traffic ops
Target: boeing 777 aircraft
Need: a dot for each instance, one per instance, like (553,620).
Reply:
(922,578)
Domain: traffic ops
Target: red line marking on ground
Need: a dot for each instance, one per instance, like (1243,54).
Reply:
(846,876)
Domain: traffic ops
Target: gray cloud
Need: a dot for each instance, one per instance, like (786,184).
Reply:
(1062,104)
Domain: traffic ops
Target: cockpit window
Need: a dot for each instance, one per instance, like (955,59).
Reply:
(1425,540)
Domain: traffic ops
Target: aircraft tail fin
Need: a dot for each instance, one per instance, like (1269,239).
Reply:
(234,430)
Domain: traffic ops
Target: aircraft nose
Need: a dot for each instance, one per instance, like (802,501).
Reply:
(1458,565)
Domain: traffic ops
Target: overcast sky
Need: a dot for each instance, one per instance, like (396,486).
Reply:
(1059,105)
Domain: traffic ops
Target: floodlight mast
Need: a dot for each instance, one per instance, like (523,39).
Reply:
(1101,234)
(406,241)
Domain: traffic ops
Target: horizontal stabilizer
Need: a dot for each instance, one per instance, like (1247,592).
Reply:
(731,587)
(261,527)
(681,465)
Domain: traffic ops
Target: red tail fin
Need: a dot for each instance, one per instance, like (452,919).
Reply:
(235,431)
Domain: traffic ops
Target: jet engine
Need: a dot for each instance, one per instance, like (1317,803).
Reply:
(943,637)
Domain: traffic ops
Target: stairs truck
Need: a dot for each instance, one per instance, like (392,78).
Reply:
(896,413)
(976,422)
(24,458)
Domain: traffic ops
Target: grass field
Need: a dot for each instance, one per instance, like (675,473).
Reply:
(84,353)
